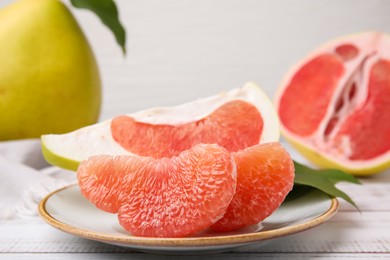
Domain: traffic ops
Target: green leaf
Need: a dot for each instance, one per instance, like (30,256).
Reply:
(324,180)
(298,191)
(107,11)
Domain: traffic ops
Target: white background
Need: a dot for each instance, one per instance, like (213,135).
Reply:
(180,50)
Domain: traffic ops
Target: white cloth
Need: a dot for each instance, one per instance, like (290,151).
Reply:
(25,178)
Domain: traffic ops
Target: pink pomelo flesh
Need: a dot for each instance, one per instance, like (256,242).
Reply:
(235,125)
(368,127)
(339,100)
(265,175)
(318,80)
(167,197)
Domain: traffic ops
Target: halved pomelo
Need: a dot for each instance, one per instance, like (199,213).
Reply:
(334,105)
(167,197)
(235,120)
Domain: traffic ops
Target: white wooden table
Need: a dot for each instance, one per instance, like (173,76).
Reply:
(350,234)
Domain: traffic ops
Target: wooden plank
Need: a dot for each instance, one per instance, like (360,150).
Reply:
(235,256)
(347,232)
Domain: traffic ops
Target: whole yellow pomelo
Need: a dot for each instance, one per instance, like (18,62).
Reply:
(49,79)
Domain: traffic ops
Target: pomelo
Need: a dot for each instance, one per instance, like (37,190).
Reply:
(235,119)
(265,175)
(50,80)
(334,105)
(167,197)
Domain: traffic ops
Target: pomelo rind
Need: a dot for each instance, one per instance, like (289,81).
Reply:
(312,154)
(321,160)
(58,160)
(68,150)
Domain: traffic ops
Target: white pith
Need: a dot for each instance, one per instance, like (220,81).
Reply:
(372,46)
(97,139)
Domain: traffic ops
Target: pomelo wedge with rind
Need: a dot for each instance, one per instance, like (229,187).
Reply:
(333,105)
(68,150)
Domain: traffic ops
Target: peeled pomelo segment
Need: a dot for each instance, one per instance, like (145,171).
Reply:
(167,197)
(338,112)
(265,175)
(104,179)
(202,116)
(234,125)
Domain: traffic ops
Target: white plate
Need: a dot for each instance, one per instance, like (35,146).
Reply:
(67,210)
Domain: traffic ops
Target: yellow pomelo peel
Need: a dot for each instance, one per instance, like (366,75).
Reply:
(49,78)
(58,160)
(325,163)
